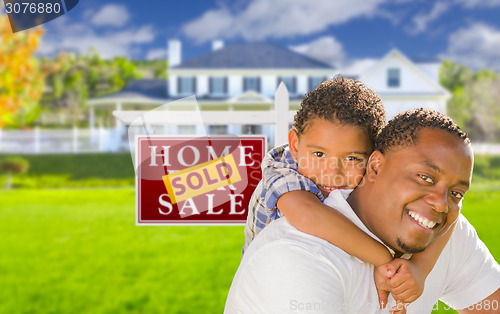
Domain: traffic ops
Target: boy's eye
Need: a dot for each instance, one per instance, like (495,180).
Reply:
(353,158)
(426,178)
(319,154)
(457,195)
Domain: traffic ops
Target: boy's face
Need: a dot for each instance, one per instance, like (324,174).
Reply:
(332,155)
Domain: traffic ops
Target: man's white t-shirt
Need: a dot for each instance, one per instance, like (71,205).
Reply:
(287,271)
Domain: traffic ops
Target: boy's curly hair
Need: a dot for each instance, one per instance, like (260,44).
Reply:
(403,129)
(347,100)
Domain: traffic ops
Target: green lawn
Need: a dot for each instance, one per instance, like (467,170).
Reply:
(79,251)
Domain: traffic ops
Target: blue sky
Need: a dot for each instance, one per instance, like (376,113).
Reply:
(347,33)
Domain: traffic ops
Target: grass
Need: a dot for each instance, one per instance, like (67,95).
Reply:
(75,170)
(78,251)
(81,166)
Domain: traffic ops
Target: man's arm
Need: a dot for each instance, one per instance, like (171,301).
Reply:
(472,272)
(489,305)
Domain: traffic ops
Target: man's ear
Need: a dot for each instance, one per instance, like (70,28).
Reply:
(374,165)
(293,143)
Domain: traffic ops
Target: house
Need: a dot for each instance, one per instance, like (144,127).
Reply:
(244,77)
(405,84)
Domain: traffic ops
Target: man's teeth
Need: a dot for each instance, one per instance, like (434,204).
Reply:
(424,222)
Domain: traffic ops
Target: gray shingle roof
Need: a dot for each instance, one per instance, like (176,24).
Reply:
(253,56)
(140,89)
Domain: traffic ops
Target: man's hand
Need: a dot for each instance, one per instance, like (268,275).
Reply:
(399,308)
(380,275)
(401,278)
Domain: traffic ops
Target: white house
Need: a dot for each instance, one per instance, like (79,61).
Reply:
(241,77)
(405,84)
(244,77)
(249,71)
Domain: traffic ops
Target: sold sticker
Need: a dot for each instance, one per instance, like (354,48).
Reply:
(202,178)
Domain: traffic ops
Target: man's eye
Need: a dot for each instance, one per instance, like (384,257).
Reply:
(319,154)
(457,195)
(426,178)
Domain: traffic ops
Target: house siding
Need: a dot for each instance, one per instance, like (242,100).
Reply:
(410,81)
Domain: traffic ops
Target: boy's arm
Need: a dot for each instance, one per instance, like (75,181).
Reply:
(408,277)
(308,214)
(280,175)
(300,200)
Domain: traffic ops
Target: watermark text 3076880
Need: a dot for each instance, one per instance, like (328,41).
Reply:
(25,14)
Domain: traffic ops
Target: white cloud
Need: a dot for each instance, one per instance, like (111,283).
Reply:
(358,66)
(111,15)
(329,50)
(156,54)
(64,34)
(326,49)
(421,21)
(479,3)
(262,19)
(477,46)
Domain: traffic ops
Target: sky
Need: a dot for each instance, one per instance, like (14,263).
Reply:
(346,33)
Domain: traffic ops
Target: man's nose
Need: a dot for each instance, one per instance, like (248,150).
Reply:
(438,199)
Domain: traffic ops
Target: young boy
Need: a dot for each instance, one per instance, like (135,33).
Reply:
(328,147)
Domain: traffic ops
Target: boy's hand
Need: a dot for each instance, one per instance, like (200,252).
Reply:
(401,278)
(405,279)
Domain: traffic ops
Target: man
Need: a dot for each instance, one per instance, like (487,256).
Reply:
(411,194)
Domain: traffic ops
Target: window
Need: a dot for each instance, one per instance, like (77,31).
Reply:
(393,77)
(218,85)
(186,85)
(217,129)
(289,83)
(186,129)
(251,129)
(251,83)
(315,80)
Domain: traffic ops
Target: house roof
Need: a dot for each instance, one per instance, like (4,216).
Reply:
(149,88)
(395,53)
(253,55)
(145,90)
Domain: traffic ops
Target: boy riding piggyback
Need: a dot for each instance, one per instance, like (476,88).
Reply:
(328,148)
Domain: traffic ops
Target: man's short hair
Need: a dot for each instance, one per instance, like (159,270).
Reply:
(403,129)
(343,99)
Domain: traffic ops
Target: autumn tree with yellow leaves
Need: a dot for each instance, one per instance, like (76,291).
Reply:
(21,81)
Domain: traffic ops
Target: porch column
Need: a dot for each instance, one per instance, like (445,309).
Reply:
(92,119)
(118,123)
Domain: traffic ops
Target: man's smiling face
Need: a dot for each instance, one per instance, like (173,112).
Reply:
(419,190)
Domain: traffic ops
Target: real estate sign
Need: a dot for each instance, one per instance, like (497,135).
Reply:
(196,180)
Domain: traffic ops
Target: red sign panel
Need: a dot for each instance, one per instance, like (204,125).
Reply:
(188,180)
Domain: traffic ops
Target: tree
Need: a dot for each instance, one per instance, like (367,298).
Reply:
(72,79)
(474,101)
(21,81)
